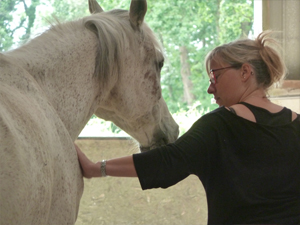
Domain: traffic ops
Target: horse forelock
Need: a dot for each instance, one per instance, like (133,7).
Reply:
(114,33)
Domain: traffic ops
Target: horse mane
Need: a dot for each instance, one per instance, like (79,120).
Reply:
(111,27)
(113,30)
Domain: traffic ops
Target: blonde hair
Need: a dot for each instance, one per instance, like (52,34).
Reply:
(266,62)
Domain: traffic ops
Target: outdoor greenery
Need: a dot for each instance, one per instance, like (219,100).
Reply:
(188,30)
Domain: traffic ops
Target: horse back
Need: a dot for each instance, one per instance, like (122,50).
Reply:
(37,156)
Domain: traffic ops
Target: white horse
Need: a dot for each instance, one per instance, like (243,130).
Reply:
(106,64)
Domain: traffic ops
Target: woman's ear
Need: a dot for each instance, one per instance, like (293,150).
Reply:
(246,71)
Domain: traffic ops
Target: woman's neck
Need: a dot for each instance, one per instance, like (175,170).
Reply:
(256,97)
(259,98)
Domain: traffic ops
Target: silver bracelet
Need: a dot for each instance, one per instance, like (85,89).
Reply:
(103,168)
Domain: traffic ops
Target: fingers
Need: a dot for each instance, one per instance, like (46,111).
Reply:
(81,156)
(89,168)
(83,161)
(79,152)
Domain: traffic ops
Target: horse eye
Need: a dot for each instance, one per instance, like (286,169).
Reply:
(161,64)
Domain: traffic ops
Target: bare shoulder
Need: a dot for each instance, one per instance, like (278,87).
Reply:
(294,115)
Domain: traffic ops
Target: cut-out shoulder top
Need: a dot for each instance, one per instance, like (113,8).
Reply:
(250,171)
(263,116)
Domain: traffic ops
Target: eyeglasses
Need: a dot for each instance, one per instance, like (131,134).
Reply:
(212,75)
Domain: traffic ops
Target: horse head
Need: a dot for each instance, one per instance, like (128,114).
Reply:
(134,102)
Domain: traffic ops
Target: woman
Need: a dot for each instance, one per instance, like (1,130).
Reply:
(246,153)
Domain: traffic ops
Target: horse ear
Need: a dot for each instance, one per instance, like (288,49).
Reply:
(94,7)
(137,12)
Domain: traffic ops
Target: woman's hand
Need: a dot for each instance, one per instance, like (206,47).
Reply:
(118,167)
(89,169)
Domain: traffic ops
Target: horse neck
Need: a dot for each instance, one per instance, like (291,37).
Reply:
(64,67)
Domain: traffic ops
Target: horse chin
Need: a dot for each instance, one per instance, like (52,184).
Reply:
(145,149)
(162,142)
(161,139)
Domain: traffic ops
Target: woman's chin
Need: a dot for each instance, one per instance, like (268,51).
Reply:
(219,103)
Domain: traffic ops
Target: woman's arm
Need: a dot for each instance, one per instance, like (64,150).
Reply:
(119,167)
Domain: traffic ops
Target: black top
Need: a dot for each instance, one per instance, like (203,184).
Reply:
(250,171)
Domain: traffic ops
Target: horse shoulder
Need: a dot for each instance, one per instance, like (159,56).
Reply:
(38,164)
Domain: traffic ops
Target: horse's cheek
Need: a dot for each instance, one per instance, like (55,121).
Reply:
(152,85)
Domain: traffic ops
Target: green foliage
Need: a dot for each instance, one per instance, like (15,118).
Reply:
(68,9)
(236,20)
(7,8)
(13,21)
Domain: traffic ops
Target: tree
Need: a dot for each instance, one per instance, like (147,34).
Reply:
(9,26)
(185,76)
(6,33)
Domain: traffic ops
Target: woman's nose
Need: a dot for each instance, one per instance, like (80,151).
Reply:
(211,88)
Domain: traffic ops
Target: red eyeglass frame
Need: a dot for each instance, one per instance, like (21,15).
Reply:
(212,75)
